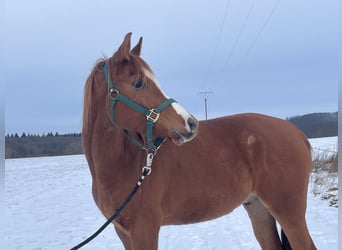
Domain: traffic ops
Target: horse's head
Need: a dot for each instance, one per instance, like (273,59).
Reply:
(136,100)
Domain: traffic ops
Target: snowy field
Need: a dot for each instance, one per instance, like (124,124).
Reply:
(49,206)
(327,145)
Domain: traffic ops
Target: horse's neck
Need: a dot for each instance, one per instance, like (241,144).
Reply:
(113,156)
(115,165)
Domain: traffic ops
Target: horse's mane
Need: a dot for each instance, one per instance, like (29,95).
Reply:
(89,108)
(88,95)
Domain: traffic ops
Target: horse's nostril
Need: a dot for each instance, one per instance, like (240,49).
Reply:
(192,124)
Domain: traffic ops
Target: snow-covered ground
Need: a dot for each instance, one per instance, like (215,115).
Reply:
(49,205)
(327,145)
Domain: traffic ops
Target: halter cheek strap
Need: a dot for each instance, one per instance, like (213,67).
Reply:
(152,115)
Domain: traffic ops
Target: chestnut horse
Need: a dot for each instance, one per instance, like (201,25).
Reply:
(251,159)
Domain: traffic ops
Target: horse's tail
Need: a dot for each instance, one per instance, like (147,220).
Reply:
(305,139)
(308,147)
(284,241)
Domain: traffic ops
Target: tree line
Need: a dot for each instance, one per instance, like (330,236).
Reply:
(50,144)
(53,144)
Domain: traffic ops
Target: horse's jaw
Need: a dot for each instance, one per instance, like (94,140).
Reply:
(179,138)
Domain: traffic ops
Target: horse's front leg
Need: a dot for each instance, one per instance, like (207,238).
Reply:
(143,235)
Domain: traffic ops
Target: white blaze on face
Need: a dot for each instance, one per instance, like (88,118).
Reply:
(183,113)
(153,78)
(178,108)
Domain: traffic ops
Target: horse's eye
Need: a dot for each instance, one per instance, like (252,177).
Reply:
(139,84)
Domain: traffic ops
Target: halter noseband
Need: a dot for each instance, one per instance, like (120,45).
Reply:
(152,115)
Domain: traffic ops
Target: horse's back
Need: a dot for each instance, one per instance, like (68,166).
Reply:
(278,155)
(272,147)
(249,127)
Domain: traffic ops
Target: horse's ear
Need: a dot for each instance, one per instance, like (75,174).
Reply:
(137,49)
(122,53)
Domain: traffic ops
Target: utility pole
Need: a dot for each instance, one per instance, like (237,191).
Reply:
(205,95)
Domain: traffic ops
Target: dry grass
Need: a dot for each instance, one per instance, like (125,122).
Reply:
(325,161)
(324,177)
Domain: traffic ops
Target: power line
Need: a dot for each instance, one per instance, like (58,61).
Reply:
(258,35)
(240,33)
(217,41)
(220,32)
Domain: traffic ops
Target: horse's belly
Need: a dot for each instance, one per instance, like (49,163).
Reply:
(199,209)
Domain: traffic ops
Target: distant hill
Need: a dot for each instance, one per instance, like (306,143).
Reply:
(317,125)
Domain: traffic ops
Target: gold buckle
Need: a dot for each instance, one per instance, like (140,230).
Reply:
(152,115)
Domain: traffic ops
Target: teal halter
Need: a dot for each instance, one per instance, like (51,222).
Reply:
(152,115)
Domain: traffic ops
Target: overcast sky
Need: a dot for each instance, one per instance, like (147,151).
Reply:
(268,56)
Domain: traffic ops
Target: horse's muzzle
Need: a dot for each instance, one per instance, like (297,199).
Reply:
(180,137)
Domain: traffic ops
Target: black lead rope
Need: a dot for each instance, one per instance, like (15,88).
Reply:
(145,171)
